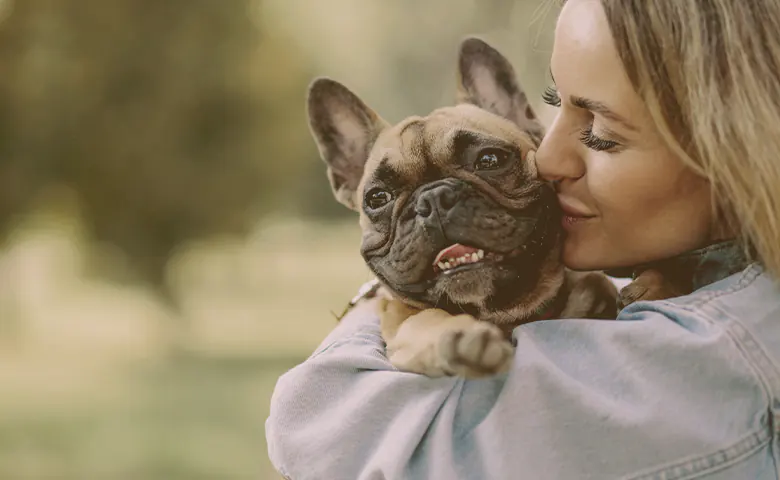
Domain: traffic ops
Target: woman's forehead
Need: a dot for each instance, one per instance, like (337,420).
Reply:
(586,64)
(582,30)
(584,21)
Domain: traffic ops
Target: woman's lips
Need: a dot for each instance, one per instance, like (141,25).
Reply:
(573,207)
(570,223)
(574,212)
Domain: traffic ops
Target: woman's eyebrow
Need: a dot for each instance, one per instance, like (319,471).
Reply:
(600,108)
(597,107)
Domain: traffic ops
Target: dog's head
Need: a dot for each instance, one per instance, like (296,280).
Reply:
(451,209)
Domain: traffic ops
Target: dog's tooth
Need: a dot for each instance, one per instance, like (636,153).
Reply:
(441,265)
(474,257)
(480,254)
(447,265)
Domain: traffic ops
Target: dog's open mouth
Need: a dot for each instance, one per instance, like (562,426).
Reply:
(457,257)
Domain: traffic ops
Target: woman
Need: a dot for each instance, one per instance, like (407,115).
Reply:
(665,148)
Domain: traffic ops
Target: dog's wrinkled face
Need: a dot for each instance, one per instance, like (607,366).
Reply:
(452,212)
(451,209)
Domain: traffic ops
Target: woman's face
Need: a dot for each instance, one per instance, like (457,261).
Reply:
(626,197)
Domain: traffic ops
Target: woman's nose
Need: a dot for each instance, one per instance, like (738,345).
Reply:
(558,156)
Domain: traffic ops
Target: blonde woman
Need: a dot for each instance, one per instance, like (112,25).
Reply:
(665,150)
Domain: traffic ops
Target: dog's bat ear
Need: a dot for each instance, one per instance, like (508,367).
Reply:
(486,79)
(345,130)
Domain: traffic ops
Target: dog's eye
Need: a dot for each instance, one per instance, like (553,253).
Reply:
(378,198)
(491,159)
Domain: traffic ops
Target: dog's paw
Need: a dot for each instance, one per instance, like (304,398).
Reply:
(591,295)
(474,351)
(649,285)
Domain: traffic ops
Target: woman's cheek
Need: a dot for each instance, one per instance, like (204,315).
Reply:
(609,187)
(630,185)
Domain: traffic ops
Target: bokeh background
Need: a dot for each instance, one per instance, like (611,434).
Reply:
(168,240)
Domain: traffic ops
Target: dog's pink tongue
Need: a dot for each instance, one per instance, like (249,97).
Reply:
(454,251)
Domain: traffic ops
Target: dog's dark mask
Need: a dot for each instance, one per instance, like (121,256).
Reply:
(452,212)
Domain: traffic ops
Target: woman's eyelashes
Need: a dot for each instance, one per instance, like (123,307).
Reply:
(551,97)
(594,142)
(587,137)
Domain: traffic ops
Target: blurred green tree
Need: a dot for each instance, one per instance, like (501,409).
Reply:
(172,120)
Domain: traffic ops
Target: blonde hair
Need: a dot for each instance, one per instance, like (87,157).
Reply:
(709,71)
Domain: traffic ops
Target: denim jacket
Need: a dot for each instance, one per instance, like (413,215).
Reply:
(687,388)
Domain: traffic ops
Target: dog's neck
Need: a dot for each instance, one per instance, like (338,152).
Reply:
(553,308)
(550,309)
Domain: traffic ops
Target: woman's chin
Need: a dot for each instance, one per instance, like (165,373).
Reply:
(578,257)
(578,266)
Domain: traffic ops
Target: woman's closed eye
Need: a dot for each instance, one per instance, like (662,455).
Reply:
(594,142)
(587,137)
(551,97)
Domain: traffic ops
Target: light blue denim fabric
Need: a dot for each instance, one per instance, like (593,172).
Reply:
(687,388)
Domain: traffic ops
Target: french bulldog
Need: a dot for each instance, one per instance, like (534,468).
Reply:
(460,233)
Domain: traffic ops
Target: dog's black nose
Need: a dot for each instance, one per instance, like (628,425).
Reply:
(440,198)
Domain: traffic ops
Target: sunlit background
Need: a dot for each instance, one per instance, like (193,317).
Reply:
(170,245)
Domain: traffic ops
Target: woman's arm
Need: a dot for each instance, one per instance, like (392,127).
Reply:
(584,399)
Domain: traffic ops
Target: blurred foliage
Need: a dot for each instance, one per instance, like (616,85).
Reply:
(168,122)
(171,120)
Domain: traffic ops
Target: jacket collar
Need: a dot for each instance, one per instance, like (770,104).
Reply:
(695,269)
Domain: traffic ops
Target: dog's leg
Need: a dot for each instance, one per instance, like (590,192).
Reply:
(435,343)
(591,295)
(392,313)
(648,285)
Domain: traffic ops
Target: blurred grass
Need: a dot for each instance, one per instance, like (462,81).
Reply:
(88,389)
(196,417)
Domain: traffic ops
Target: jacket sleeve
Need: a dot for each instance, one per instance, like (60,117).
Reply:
(584,399)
